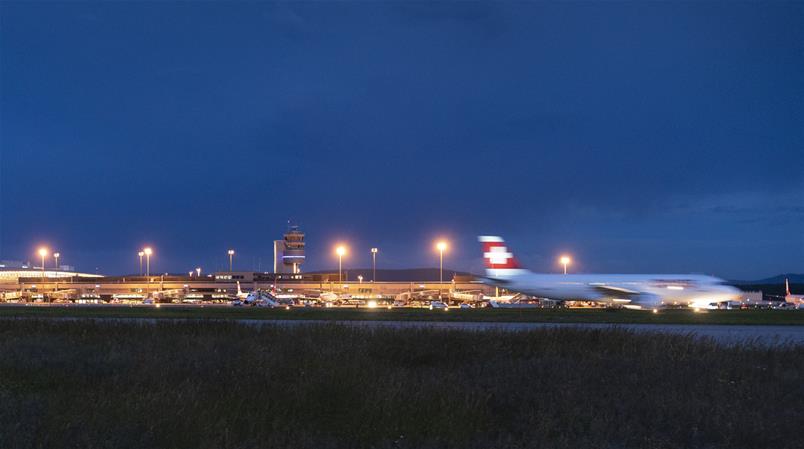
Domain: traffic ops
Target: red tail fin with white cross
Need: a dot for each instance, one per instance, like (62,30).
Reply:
(496,255)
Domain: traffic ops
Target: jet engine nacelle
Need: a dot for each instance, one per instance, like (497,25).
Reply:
(647,301)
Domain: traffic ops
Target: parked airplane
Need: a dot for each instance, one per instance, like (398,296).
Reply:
(798,300)
(332,296)
(240,293)
(260,298)
(636,291)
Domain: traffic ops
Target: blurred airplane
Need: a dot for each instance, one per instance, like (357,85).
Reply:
(633,291)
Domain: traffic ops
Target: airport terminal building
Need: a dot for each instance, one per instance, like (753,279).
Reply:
(218,287)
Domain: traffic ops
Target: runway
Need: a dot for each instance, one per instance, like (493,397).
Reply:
(729,334)
(764,335)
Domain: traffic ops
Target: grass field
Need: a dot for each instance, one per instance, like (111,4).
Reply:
(182,384)
(777,317)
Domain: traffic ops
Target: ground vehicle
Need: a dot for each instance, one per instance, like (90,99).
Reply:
(438,305)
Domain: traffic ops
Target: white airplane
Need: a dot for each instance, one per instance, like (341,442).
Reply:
(797,300)
(332,296)
(633,291)
(260,298)
(241,295)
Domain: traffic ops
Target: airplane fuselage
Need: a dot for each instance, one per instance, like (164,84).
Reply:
(641,290)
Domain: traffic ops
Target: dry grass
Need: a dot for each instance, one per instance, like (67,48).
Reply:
(227,385)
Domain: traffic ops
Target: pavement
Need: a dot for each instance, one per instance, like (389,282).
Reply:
(764,335)
(722,333)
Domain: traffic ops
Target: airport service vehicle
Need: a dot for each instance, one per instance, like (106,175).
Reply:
(633,291)
(786,306)
(438,305)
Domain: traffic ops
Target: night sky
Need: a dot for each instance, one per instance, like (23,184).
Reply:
(639,137)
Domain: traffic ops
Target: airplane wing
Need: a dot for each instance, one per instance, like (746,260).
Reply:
(627,296)
(610,290)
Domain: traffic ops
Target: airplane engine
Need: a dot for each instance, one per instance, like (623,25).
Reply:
(647,301)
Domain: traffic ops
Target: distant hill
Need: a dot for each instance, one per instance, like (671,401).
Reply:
(402,275)
(779,279)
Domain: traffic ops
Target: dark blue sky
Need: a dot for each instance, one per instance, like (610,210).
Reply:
(640,137)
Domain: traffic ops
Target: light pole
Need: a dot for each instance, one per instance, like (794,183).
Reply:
(360,278)
(441,247)
(198,270)
(148,251)
(374,264)
(565,260)
(141,253)
(43,254)
(340,251)
(56,256)
(231,255)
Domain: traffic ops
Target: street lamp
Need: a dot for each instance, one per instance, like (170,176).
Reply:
(340,251)
(565,260)
(56,256)
(360,278)
(148,251)
(441,246)
(231,255)
(198,270)
(141,253)
(374,264)
(43,254)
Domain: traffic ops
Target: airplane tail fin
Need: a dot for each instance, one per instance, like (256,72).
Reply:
(787,286)
(239,292)
(500,261)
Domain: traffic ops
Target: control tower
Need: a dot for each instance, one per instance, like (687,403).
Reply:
(289,252)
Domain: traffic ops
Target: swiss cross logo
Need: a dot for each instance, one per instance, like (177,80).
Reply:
(496,254)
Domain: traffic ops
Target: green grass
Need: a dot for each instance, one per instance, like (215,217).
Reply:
(482,315)
(177,384)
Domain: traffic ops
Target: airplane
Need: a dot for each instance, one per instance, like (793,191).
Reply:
(632,291)
(258,298)
(797,300)
(241,295)
(332,296)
